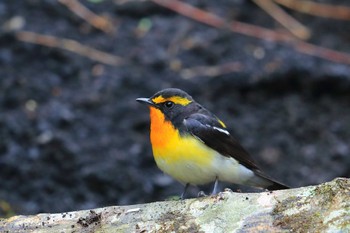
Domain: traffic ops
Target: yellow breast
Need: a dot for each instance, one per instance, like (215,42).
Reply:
(185,158)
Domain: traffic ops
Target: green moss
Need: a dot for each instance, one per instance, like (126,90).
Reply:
(307,213)
(176,221)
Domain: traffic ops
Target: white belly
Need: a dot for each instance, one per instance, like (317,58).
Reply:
(204,170)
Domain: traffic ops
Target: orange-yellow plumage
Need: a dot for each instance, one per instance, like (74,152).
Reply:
(193,146)
(183,157)
(161,131)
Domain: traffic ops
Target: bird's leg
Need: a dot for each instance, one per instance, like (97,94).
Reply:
(184,192)
(215,189)
(201,194)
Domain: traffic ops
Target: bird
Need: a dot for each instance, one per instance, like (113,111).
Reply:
(194,146)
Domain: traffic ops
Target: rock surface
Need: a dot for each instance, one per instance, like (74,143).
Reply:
(321,208)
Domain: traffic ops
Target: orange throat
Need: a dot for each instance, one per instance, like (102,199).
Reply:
(162,131)
(185,158)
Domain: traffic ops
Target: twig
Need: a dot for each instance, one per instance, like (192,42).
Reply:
(211,71)
(218,22)
(70,45)
(89,16)
(317,9)
(322,52)
(254,31)
(291,24)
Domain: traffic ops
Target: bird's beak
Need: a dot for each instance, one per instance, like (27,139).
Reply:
(145,101)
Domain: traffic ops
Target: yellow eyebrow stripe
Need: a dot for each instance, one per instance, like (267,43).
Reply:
(176,99)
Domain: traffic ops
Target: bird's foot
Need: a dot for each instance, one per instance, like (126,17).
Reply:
(215,188)
(184,192)
(201,194)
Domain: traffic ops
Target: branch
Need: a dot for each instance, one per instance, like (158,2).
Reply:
(218,22)
(95,20)
(321,208)
(69,45)
(317,9)
(253,31)
(291,24)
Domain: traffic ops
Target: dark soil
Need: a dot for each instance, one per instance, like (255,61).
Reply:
(73,137)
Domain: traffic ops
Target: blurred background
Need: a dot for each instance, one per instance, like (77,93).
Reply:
(73,137)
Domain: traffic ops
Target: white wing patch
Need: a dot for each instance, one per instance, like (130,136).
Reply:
(219,129)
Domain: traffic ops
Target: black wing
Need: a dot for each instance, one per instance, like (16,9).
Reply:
(208,130)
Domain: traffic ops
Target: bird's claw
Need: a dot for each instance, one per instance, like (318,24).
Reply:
(201,194)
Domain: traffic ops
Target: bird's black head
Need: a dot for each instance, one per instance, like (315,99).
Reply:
(174,103)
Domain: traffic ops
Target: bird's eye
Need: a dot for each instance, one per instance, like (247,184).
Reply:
(169,104)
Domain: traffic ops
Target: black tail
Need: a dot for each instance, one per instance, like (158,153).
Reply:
(277,186)
(262,180)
